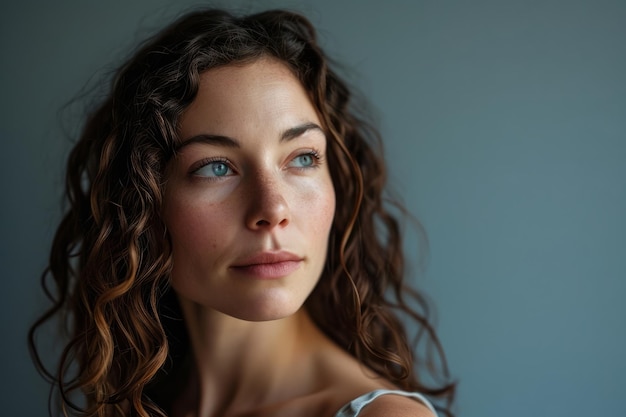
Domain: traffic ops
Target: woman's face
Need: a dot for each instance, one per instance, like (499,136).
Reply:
(249,199)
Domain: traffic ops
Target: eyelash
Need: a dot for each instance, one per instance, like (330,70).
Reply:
(317,161)
(207,161)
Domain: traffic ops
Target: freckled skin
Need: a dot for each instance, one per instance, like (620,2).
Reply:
(240,185)
(267,202)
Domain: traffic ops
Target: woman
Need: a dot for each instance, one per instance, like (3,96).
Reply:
(227,251)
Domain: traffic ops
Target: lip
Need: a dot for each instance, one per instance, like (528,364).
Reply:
(268,265)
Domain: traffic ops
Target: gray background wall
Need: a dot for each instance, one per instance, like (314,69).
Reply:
(505,125)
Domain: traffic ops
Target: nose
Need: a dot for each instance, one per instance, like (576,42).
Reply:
(267,206)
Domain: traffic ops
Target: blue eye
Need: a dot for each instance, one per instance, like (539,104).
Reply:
(214,169)
(304,161)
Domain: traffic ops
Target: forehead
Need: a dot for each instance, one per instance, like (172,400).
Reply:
(265,69)
(258,93)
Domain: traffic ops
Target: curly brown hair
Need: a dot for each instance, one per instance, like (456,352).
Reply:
(111,255)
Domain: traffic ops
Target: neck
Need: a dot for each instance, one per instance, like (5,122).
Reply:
(241,364)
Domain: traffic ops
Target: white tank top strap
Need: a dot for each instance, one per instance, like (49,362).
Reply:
(354,407)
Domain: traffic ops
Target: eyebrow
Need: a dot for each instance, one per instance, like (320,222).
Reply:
(299,130)
(209,139)
(229,142)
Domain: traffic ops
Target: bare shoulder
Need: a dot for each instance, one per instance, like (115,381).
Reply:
(396,406)
(347,380)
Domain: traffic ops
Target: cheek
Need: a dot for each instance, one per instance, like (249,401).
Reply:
(194,224)
(327,211)
(319,209)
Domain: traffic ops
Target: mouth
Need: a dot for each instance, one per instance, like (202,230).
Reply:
(268,265)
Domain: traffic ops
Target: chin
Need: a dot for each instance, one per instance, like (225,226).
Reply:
(265,310)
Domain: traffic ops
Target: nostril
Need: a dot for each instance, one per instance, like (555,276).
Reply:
(268,210)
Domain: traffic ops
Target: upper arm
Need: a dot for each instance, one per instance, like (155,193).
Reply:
(395,406)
